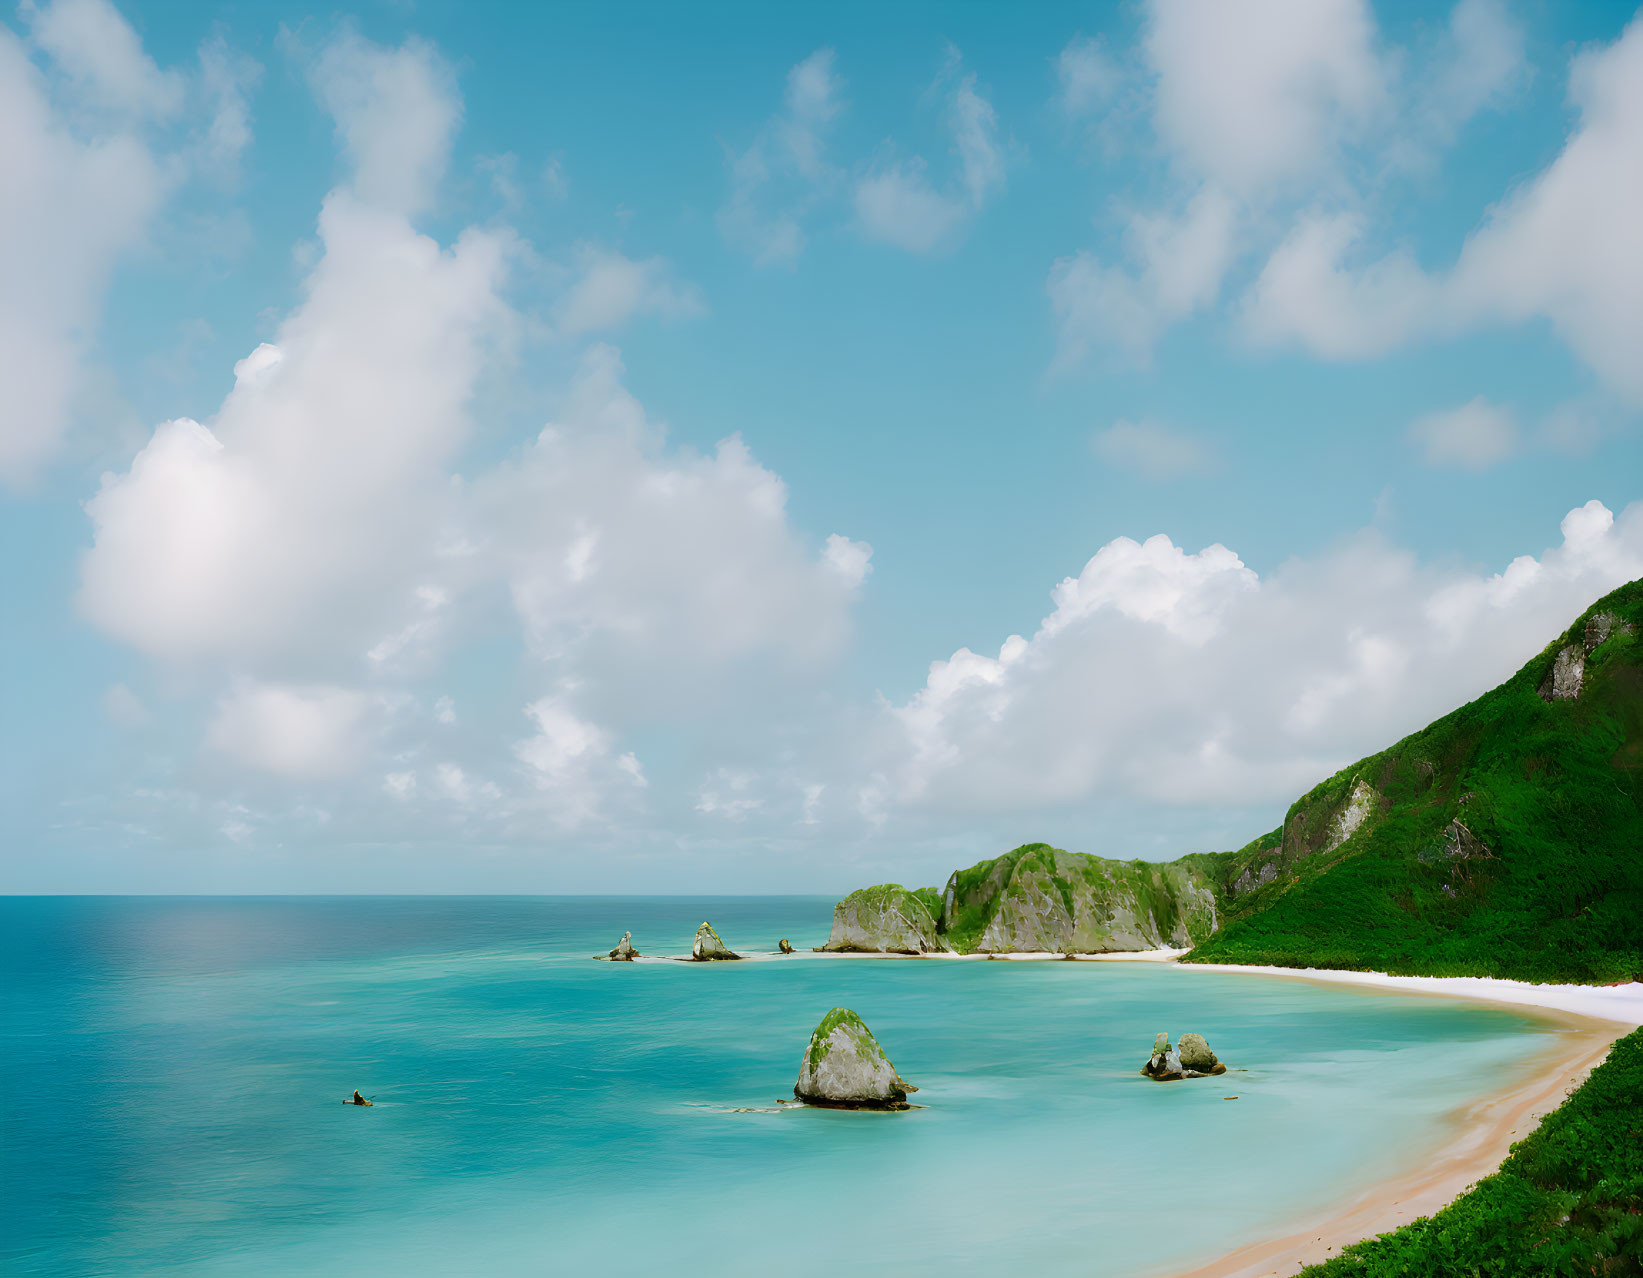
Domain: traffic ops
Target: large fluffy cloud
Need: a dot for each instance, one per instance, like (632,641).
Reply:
(302,509)
(307,548)
(655,563)
(1185,678)
(1567,247)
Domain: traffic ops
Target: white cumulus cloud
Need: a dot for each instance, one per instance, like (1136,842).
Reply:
(1185,678)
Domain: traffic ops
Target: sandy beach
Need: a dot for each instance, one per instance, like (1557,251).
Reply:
(1591,1018)
(1481,1136)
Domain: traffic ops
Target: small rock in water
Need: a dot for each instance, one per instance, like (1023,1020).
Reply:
(786,945)
(624,951)
(845,1068)
(1195,1055)
(1191,1059)
(707,945)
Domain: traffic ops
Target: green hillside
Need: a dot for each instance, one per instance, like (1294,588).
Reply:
(1506,839)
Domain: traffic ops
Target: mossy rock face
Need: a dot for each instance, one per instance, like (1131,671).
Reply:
(886,919)
(707,945)
(845,1068)
(1039,898)
(1195,1053)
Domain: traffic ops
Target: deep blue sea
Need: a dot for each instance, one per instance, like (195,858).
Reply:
(172,1072)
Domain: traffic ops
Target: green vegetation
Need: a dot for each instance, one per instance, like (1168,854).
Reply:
(929,898)
(1569,1199)
(1506,839)
(1040,897)
(819,1044)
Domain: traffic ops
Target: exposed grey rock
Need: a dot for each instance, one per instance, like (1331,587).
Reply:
(886,919)
(1562,682)
(845,1068)
(1160,1044)
(707,945)
(1248,882)
(624,951)
(1601,628)
(1349,820)
(1163,1066)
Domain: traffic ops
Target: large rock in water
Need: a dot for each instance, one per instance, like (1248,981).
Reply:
(707,945)
(624,951)
(845,1068)
(884,919)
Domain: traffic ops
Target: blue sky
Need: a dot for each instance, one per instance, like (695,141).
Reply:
(1302,353)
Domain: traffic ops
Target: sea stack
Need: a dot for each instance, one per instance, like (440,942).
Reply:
(1192,1059)
(624,951)
(786,946)
(707,945)
(845,1068)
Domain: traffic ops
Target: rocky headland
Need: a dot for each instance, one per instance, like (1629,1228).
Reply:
(1035,898)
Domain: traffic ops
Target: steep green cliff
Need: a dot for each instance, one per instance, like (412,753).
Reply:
(1506,839)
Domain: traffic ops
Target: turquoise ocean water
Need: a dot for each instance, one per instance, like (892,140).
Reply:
(171,1072)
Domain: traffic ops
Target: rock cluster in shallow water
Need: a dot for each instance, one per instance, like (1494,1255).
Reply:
(1191,1058)
(845,1068)
(624,951)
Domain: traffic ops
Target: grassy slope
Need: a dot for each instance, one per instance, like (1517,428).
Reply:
(1569,1199)
(1554,789)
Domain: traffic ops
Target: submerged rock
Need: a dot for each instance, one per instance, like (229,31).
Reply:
(845,1068)
(707,945)
(885,919)
(624,951)
(1191,1059)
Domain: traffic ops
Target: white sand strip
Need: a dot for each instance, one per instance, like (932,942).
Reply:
(1622,1004)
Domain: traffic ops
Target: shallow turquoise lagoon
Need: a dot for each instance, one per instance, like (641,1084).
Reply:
(173,1072)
